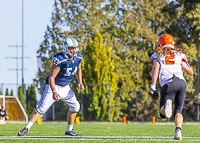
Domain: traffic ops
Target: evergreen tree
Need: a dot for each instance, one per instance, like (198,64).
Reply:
(31,100)
(7,92)
(21,95)
(1,91)
(11,92)
(99,65)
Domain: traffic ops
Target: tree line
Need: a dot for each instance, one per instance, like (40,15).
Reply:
(116,39)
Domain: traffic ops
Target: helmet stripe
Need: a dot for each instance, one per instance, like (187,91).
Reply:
(73,41)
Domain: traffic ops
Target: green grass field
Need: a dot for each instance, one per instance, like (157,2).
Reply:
(99,133)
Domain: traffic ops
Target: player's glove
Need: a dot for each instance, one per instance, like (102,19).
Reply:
(152,88)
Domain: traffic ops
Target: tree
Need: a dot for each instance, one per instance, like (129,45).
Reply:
(124,26)
(186,29)
(21,95)
(11,92)
(99,65)
(7,92)
(31,100)
(1,91)
(129,29)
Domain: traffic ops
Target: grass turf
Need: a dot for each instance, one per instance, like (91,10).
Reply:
(100,133)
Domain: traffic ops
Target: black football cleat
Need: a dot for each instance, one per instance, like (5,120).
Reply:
(72,133)
(23,132)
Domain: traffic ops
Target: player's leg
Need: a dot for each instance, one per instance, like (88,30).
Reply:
(167,96)
(45,103)
(179,102)
(74,107)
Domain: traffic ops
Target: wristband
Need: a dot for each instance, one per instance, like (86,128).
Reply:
(54,91)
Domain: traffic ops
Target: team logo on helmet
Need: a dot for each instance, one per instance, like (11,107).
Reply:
(165,40)
(70,42)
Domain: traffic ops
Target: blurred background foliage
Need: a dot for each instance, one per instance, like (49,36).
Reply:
(116,38)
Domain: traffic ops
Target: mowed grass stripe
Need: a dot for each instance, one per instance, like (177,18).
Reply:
(95,133)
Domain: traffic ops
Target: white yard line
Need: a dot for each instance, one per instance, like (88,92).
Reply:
(128,138)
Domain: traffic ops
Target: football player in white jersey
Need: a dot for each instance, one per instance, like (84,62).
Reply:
(168,62)
(64,65)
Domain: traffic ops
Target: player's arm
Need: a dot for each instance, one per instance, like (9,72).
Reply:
(79,78)
(186,67)
(155,71)
(54,71)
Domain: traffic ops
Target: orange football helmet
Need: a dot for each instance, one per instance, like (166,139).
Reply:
(165,40)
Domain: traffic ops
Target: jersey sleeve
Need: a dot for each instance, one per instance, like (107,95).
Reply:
(153,57)
(80,57)
(184,59)
(57,60)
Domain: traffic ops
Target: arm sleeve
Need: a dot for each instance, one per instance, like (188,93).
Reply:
(153,57)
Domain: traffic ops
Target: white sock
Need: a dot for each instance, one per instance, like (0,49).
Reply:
(69,127)
(29,124)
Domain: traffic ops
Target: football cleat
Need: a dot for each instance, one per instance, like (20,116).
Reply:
(23,132)
(178,135)
(168,108)
(72,133)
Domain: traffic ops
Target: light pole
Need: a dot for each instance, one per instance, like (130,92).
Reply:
(23,86)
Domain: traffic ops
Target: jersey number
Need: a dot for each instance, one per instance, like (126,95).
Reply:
(70,71)
(167,59)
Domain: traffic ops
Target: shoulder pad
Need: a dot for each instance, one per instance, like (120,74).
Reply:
(79,56)
(58,58)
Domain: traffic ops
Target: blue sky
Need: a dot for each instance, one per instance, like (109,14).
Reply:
(37,15)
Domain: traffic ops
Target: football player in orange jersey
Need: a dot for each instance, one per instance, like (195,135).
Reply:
(168,62)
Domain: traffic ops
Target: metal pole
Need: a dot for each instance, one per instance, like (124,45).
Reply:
(198,84)
(81,106)
(108,102)
(136,106)
(17,70)
(22,42)
(53,112)
(23,54)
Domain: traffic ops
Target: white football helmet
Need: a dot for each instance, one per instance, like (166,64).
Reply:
(70,42)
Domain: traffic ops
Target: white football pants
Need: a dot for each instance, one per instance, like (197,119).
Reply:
(66,95)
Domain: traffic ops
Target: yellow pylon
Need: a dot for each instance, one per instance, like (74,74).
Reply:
(77,120)
(39,121)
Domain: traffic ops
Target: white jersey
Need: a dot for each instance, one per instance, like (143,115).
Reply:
(169,65)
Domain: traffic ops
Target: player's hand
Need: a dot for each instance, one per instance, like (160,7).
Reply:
(56,96)
(152,88)
(80,85)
